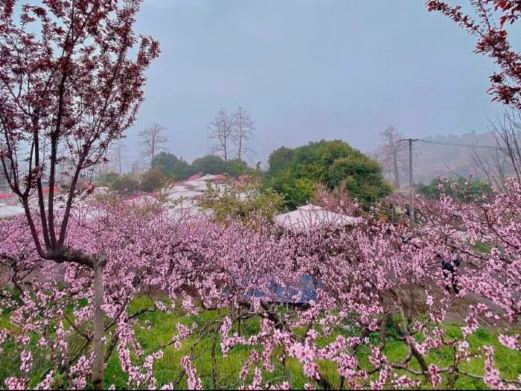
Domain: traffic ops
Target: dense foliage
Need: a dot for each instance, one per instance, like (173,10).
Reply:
(178,169)
(152,180)
(212,164)
(464,190)
(125,184)
(172,166)
(167,168)
(296,172)
(247,202)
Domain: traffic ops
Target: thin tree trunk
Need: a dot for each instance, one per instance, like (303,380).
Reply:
(395,168)
(119,159)
(240,144)
(98,343)
(214,363)
(153,150)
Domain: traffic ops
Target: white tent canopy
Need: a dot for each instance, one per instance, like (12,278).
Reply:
(210,177)
(184,195)
(187,209)
(312,216)
(7,211)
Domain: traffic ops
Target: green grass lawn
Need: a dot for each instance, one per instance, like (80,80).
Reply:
(156,328)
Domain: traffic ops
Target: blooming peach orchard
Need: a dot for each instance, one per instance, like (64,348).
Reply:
(362,278)
(325,302)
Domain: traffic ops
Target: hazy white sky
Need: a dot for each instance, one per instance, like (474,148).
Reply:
(310,69)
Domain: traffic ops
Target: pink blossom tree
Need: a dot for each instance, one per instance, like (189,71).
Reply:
(490,26)
(69,87)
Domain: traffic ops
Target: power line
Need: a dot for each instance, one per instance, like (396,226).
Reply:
(459,144)
(410,142)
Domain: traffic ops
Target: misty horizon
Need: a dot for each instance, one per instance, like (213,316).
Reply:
(309,70)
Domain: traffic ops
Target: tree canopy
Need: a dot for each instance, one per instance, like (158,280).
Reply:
(461,189)
(212,164)
(152,180)
(172,166)
(296,172)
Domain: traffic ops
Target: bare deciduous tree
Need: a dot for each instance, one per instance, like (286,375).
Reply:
(153,141)
(508,137)
(243,127)
(137,167)
(118,154)
(492,164)
(390,154)
(504,159)
(222,132)
(113,162)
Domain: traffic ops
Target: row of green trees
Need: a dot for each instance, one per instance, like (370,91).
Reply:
(149,182)
(295,174)
(168,168)
(178,169)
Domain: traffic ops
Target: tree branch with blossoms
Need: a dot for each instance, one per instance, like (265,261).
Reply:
(490,26)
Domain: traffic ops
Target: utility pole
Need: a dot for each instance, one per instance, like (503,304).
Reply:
(411,181)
